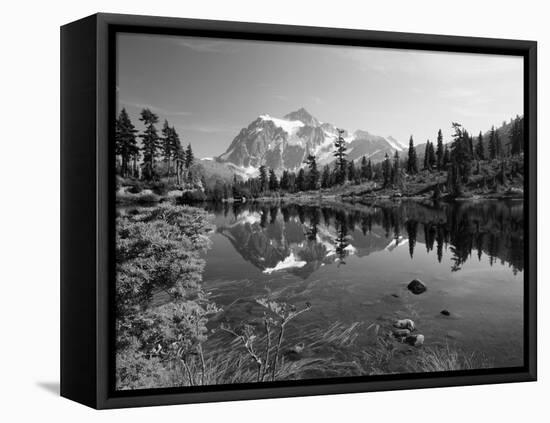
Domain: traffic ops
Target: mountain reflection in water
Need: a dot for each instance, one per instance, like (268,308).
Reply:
(300,239)
(353,264)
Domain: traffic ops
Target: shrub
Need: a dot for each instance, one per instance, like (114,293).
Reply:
(190,197)
(159,249)
(159,187)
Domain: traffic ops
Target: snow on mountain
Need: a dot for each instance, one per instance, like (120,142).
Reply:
(289,126)
(285,143)
(395,144)
(288,263)
(303,116)
(394,243)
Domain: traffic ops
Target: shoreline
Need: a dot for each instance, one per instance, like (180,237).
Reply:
(320,198)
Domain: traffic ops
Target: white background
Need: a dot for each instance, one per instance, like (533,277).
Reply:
(29,212)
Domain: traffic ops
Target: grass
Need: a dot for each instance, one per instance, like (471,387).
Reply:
(328,355)
(227,362)
(445,358)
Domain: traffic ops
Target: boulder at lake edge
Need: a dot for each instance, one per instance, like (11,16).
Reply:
(401,333)
(416,287)
(415,340)
(404,324)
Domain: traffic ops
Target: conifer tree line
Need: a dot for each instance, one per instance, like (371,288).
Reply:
(456,158)
(142,161)
(310,177)
(466,147)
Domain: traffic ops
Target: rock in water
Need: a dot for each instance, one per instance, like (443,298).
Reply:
(298,348)
(445,312)
(404,324)
(401,333)
(415,340)
(416,287)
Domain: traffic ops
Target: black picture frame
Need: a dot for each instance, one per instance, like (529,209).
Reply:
(87,208)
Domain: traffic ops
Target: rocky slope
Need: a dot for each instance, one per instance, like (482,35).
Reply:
(284,143)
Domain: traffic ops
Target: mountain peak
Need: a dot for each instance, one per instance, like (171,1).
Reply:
(303,116)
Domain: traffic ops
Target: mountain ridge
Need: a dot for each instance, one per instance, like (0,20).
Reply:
(284,143)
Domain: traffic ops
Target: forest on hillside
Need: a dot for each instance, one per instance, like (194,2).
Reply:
(156,162)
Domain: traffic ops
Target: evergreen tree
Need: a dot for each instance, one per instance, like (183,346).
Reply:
(264,181)
(480,150)
(516,137)
(125,141)
(386,170)
(426,165)
(291,182)
(498,145)
(492,144)
(412,161)
(471,146)
(364,169)
(235,188)
(396,172)
(176,147)
(301,181)
(285,181)
(440,150)
(313,174)
(370,174)
(226,191)
(150,143)
(521,136)
(325,177)
(446,157)
(352,173)
(340,154)
(168,145)
(189,157)
(273,182)
(432,160)
(460,157)
(454,178)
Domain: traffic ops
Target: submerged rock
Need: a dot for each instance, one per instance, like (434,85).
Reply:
(416,287)
(415,340)
(404,324)
(298,348)
(401,333)
(294,353)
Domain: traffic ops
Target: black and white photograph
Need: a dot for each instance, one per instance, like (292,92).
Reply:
(290,211)
(281,212)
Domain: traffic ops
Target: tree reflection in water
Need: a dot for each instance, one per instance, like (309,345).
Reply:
(493,228)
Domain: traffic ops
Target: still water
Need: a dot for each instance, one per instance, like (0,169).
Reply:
(353,264)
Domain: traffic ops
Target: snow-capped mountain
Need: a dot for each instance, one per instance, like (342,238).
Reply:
(284,143)
(274,245)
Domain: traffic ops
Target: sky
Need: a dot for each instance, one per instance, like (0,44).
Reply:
(211,88)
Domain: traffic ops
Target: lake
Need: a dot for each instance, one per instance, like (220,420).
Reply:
(353,263)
